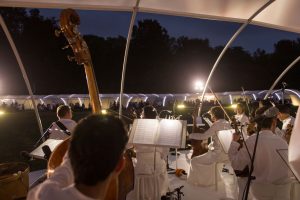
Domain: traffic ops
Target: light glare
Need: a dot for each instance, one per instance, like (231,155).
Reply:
(181,106)
(234,106)
(104,112)
(199,86)
(2,112)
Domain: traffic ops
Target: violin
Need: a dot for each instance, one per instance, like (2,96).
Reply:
(288,133)
(69,21)
(235,125)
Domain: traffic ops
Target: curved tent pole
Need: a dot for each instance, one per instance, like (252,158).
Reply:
(281,75)
(132,20)
(227,46)
(22,68)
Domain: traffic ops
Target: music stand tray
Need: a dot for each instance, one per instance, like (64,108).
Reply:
(38,152)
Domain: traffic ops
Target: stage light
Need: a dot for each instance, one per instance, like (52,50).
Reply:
(181,106)
(2,112)
(234,106)
(104,112)
(199,86)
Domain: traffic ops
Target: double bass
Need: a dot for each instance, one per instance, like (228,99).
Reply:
(69,21)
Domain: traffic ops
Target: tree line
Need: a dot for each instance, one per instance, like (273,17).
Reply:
(157,62)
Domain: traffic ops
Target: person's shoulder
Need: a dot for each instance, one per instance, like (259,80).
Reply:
(69,121)
(44,191)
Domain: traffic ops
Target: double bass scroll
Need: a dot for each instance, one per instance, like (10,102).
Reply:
(69,21)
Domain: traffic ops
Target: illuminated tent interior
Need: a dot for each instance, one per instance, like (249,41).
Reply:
(108,99)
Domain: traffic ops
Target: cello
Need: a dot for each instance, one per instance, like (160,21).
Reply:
(69,21)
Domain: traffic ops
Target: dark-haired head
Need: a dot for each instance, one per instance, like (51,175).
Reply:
(64,111)
(268,119)
(216,113)
(240,108)
(149,112)
(96,148)
(284,111)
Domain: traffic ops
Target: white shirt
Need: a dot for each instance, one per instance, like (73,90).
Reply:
(58,134)
(218,125)
(290,120)
(269,168)
(58,186)
(145,159)
(243,119)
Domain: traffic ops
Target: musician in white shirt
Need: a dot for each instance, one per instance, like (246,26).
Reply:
(242,118)
(198,174)
(271,173)
(95,157)
(285,117)
(64,115)
(152,181)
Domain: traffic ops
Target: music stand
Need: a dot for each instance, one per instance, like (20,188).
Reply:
(39,153)
(225,138)
(281,153)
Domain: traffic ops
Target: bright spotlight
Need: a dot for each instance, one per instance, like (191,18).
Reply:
(2,112)
(199,86)
(234,106)
(104,112)
(181,106)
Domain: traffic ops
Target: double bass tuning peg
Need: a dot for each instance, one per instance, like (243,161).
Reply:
(65,47)
(71,58)
(57,32)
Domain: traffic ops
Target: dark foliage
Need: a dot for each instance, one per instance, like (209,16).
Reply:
(157,63)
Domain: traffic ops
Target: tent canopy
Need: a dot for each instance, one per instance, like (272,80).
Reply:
(281,14)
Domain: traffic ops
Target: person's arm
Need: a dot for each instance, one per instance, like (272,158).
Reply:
(63,175)
(239,158)
(203,136)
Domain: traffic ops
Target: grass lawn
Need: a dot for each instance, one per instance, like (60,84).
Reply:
(19,132)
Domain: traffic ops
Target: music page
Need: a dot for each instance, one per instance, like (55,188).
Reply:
(170,133)
(144,131)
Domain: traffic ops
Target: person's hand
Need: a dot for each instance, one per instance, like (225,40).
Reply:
(236,137)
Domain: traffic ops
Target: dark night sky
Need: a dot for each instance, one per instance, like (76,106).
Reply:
(105,23)
(113,24)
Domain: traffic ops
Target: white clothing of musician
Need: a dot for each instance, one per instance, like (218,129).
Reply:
(151,178)
(288,121)
(244,120)
(272,179)
(59,186)
(57,133)
(202,170)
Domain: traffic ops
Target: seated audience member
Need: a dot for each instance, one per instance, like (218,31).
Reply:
(155,182)
(271,174)
(62,128)
(200,165)
(94,158)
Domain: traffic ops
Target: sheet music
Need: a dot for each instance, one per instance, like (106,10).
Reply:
(144,131)
(170,133)
(52,143)
(225,137)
